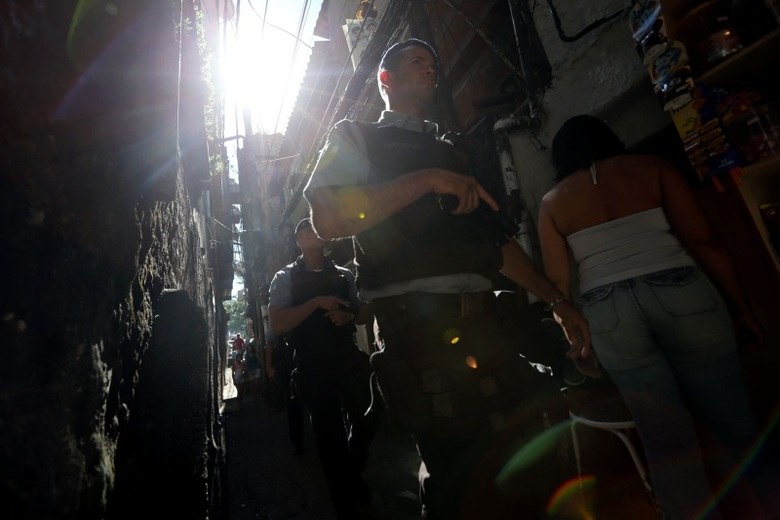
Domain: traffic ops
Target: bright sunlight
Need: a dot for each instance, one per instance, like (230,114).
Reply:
(264,58)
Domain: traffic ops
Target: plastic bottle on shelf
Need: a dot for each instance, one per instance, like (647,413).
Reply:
(709,34)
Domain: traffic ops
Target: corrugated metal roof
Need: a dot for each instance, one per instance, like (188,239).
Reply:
(322,26)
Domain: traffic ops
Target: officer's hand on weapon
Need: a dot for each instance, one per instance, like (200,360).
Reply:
(340,316)
(465,188)
(329,303)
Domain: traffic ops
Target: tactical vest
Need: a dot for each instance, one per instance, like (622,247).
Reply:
(316,338)
(423,239)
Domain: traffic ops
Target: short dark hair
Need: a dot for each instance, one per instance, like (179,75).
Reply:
(391,56)
(581,141)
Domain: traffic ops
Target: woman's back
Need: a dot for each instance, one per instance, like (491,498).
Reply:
(624,185)
(657,325)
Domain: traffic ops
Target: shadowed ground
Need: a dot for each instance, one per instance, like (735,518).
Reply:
(264,480)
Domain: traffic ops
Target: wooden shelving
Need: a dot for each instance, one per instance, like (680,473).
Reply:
(745,65)
(759,182)
(764,167)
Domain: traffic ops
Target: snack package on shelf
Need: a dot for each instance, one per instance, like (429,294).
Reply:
(642,19)
(671,76)
(666,59)
(752,125)
(704,140)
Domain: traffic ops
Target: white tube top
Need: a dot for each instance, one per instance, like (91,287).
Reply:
(626,247)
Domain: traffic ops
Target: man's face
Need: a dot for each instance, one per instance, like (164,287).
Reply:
(307,239)
(415,76)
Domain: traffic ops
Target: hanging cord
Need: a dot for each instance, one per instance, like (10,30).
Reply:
(482,34)
(315,145)
(330,117)
(586,30)
(331,120)
(447,27)
(299,33)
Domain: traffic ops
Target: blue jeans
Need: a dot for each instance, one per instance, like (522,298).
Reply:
(667,341)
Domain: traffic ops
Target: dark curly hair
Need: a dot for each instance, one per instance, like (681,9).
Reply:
(581,141)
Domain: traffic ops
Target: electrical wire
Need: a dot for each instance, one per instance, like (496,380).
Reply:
(315,142)
(235,23)
(482,34)
(264,19)
(569,39)
(277,159)
(319,135)
(315,91)
(236,26)
(301,23)
(455,44)
(178,78)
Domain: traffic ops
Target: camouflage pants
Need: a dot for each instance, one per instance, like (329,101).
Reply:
(448,373)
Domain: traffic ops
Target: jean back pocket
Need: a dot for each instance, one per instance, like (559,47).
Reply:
(683,291)
(598,306)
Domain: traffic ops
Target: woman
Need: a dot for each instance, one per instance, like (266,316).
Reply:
(659,326)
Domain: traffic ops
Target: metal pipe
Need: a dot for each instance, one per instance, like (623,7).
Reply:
(512,185)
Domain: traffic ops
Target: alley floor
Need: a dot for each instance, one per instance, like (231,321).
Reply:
(265,480)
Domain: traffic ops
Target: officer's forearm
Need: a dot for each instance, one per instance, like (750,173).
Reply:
(346,211)
(285,319)
(521,270)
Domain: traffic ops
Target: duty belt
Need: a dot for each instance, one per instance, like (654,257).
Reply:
(464,305)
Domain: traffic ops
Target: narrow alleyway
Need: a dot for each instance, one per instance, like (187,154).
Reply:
(264,480)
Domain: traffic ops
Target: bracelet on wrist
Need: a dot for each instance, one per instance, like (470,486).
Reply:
(556,301)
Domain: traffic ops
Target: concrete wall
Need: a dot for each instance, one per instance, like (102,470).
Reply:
(599,74)
(335,15)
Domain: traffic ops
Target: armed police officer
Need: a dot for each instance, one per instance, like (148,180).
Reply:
(428,248)
(313,304)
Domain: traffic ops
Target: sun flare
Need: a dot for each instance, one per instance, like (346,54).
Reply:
(255,78)
(261,71)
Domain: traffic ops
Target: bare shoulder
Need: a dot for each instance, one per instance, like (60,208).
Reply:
(552,198)
(551,195)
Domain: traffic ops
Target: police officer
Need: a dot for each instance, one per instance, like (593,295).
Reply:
(279,365)
(313,304)
(428,246)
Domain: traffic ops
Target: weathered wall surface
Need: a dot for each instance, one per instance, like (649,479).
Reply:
(599,74)
(96,193)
